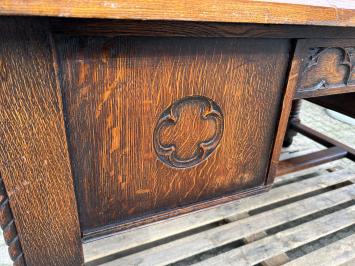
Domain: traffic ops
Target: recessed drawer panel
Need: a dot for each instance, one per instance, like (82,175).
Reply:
(326,67)
(161,126)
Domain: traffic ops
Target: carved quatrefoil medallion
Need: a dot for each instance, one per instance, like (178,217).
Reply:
(188,131)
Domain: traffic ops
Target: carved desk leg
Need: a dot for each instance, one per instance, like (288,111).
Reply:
(294,117)
(9,229)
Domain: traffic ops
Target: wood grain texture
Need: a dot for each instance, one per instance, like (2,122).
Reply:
(310,160)
(284,241)
(328,67)
(115,90)
(112,28)
(337,253)
(177,250)
(125,240)
(320,12)
(34,160)
(9,229)
(283,123)
(323,139)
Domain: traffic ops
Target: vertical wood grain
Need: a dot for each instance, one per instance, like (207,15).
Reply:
(34,160)
(116,89)
(291,84)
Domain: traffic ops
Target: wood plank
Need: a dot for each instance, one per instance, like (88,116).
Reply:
(291,84)
(323,71)
(306,173)
(123,177)
(105,247)
(221,235)
(288,153)
(320,12)
(323,139)
(277,260)
(34,161)
(322,93)
(143,235)
(310,160)
(336,253)
(111,28)
(286,240)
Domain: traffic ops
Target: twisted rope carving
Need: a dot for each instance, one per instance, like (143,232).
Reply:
(9,229)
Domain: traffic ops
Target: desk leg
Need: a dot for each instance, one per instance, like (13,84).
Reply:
(294,117)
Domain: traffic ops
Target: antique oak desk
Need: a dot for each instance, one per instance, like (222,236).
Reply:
(115,114)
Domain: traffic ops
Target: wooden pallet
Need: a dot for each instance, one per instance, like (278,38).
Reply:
(244,228)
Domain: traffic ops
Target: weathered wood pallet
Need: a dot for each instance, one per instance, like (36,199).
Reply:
(199,237)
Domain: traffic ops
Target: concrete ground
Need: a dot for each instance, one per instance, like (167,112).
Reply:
(315,117)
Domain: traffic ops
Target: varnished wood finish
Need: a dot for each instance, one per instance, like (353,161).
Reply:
(7,224)
(112,28)
(292,196)
(156,125)
(34,161)
(310,160)
(319,12)
(323,139)
(115,92)
(328,67)
(283,124)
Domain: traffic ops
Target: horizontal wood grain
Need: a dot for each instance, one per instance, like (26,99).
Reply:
(323,139)
(123,241)
(310,160)
(320,12)
(222,235)
(284,241)
(337,253)
(111,28)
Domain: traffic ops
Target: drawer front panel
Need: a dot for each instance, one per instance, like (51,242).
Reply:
(156,124)
(327,67)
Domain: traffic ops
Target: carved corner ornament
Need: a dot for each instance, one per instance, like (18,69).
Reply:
(208,110)
(328,67)
(9,229)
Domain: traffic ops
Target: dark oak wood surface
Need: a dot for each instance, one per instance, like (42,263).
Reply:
(310,160)
(34,160)
(303,12)
(122,97)
(114,124)
(112,28)
(328,67)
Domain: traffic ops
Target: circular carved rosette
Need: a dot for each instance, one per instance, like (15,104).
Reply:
(188,144)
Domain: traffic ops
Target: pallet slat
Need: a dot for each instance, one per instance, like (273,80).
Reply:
(338,253)
(284,241)
(140,236)
(204,241)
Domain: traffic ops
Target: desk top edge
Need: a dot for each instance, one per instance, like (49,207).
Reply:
(291,12)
